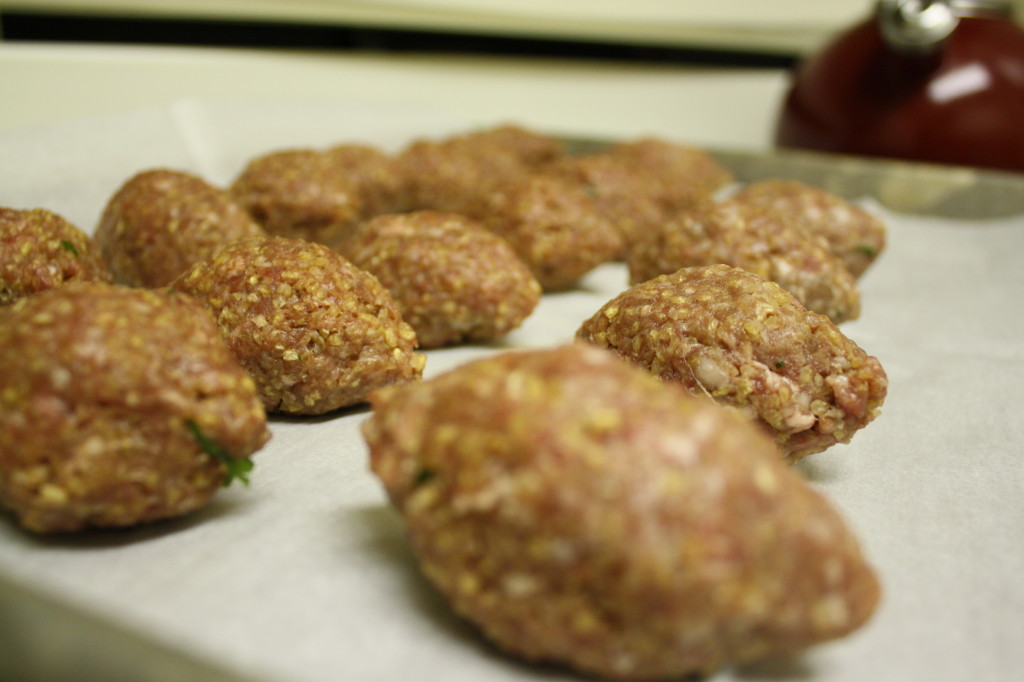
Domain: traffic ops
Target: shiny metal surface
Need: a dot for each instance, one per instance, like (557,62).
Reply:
(916,25)
(919,188)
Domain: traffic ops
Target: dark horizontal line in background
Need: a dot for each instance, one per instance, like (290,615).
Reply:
(84,28)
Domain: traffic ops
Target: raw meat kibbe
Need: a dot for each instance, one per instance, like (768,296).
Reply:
(680,174)
(378,178)
(300,193)
(639,185)
(553,225)
(452,280)
(453,173)
(580,511)
(40,250)
(725,333)
(161,221)
(118,407)
(765,241)
(620,195)
(314,331)
(853,233)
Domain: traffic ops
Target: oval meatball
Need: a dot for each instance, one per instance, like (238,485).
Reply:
(678,175)
(769,243)
(453,281)
(553,225)
(379,181)
(40,250)
(580,511)
(453,173)
(723,332)
(161,221)
(315,332)
(854,234)
(299,193)
(620,195)
(118,407)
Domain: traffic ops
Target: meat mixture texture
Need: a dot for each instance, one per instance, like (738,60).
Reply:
(380,184)
(580,511)
(451,174)
(488,176)
(553,224)
(117,407)
(40,250)
(854,234)
(679,174)
(453,281)
(300,194)
(772,244)
(162,221)
(745,342)
(657,175)
(315,332)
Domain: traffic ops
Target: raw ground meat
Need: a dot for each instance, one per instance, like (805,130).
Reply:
(117,407)
(580,511)
(723,332)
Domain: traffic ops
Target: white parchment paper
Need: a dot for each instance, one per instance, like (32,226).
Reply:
(306,576)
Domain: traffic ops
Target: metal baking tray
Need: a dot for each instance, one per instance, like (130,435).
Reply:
(306,578)
(902,186)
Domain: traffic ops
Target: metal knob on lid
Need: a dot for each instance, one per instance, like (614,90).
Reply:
(922,25)
(916,25)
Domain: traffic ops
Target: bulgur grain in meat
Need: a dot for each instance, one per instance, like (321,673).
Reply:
(453,281)
(722,332)
(161,221)
(853,233)
(299,193)
(453,173)
(40,250)
(553,225)
(765,241)
(314,331)
(111,400)
(580,511)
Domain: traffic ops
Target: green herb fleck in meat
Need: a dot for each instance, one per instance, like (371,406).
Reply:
(423,475)
(68,246)
(237,468)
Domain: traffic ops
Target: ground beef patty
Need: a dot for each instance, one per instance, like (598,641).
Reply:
(40,250)
(161,221)
(118,407)
(723,332)
(315,332)
(772,244)
(853,233)
(580,511)
(453,281)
